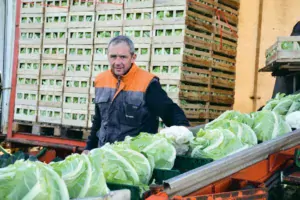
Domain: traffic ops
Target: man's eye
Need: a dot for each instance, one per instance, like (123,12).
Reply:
(113,56)
(123,57)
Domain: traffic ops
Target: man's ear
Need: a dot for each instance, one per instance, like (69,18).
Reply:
(133,58)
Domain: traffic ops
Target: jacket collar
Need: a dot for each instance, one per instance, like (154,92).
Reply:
(129,75)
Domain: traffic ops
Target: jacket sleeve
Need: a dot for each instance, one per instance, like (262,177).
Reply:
(92,141)
(162,106)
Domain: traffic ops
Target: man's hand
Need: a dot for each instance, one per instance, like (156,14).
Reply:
(86,152)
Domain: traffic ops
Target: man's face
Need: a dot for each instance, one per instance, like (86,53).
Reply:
(120,59)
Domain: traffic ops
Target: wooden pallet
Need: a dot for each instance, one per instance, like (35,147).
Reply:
(48,129)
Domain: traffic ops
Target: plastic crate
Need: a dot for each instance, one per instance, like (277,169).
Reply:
(56,20)
(56,6)
(72,117)
(168,34)
(30,36)
(109,18)
(55,36)
(76,85)
(26,97)
(32,6)
(91,116)
(29,67)
(143,65)
(49,115)
(80,52)
(134,190)
(29,51)
(81,19)
(82,5)
(169,15)
(75,100)
(104,35)
(100,52)
(139,34)
(78,68)
(80,36)
(167,52)
(166,70)
(168,3)
(53,67)
(171,87)
(138,17)
(31,21)
(54,51)
(99,66)
(27,82)
(52,99)
(109,5)
(185,163)
(129,4)
(160,175)
(25,113)
(143,52)
(52,83)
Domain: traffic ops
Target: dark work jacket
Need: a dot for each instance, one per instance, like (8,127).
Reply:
(130,105)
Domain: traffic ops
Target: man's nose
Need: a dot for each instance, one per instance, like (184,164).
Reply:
(118,60)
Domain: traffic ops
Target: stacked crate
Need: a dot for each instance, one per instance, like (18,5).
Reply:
(189,44)
(29,60)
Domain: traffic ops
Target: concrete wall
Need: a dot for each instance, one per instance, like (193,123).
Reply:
(278,19)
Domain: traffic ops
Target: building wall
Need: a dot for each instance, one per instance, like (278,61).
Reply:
(278,19)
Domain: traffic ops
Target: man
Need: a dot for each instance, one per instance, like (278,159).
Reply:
(128,99)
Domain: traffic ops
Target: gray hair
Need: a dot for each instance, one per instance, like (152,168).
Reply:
(121,38)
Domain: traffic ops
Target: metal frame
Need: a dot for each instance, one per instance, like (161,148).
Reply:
(26,138)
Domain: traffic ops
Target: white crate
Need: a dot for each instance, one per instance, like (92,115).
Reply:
(79,68)
(99,66)
(139,34)
(169,15)
(50,99)
(104,35)
(138,4)
(82,5)
(54,51)
(138,17)
(143,65)
(29,51)
(55,36)
(91,116)
(92,102)
(53,67)
(25,113)
(76,101)
(77,85)
(26,97)
(167,52)
(81,19)
(56,20)
(80,52)
(50,115)
(29,67)
(109,4)
(30,36)
(143,52)
(80,36)
(51,83)
(109,18)
(92,88)
(32,6)
(57,6)
(100,52)
(72,117)
(171,87)
(27,82)
(31,21)
(166,70)
(168,34)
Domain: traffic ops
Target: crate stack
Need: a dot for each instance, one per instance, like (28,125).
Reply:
(29,61)
(189,44)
